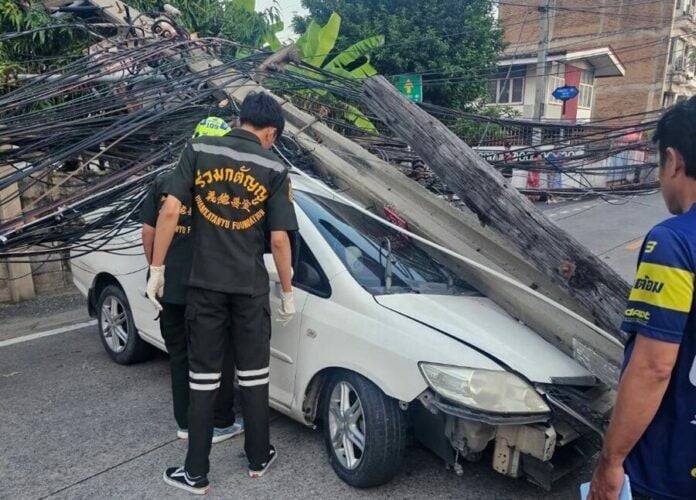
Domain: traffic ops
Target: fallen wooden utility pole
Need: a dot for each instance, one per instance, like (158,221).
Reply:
(563,259)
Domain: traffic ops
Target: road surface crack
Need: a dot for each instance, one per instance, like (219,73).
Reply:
(83,480)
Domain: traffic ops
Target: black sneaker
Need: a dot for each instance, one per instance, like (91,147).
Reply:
(177,477)
(256,471)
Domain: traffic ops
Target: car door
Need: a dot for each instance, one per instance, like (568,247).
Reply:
(308,279)
(144,313)
(129,267)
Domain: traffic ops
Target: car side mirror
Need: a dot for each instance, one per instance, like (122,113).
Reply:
(271,267)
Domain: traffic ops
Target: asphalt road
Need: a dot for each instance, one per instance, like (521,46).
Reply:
(77,425)
(73,424)
(613,229)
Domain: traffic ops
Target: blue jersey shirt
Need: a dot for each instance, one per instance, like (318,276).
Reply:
(661,306)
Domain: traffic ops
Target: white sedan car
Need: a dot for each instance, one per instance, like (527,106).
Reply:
(388,342)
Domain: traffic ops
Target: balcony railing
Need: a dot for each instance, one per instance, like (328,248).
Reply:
(524,135)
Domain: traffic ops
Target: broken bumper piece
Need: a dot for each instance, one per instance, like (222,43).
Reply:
(541,448)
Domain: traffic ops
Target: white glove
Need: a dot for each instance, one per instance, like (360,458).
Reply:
(155,285)
(287,308)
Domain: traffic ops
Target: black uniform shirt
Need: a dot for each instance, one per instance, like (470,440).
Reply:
(239,192)
(178,261)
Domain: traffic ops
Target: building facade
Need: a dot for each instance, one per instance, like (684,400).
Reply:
(652,41)
(516,82)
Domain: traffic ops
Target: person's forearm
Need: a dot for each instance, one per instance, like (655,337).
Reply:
(639,397)
(148,237)
(282,255)
(166,227)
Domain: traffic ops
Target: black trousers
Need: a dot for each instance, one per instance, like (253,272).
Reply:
(174,332)
(219,322)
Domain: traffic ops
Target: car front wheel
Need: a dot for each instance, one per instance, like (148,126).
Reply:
(364,430)
(117,328)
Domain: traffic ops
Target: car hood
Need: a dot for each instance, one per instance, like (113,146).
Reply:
(480,322)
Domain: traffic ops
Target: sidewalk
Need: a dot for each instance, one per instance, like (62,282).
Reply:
(45,312)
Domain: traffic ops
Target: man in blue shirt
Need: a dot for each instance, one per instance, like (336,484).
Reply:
(652,435)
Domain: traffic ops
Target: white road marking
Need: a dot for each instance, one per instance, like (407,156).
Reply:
(557,212)
(39,335)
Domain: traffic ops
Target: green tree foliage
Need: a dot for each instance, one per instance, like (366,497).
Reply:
(316,48)
(235,20)
(453,43)
(43,48)
(477,130)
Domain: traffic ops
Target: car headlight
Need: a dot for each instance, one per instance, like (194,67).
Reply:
(485,390)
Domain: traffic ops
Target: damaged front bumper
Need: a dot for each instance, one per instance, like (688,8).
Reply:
(541,448)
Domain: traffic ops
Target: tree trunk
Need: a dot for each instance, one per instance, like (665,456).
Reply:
(498,205)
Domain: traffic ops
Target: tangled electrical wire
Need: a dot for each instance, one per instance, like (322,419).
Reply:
(616,148)
(81,143)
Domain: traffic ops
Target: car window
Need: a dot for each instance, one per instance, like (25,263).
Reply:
(309,275)
(365,246)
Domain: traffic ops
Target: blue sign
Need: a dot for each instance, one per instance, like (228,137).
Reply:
(566,93)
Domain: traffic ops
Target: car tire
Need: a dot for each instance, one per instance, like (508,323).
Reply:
(117,328)
(380,426)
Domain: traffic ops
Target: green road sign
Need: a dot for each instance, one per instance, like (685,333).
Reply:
(411,86)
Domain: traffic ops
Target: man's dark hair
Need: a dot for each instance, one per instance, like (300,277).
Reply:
(507,145)
(260,110)
(677,129)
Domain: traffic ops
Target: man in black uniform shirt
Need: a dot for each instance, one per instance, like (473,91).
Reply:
(239,192)
(173,322)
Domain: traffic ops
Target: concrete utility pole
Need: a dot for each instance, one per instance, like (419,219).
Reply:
(542,55)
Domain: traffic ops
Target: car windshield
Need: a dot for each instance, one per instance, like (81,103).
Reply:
(364,245)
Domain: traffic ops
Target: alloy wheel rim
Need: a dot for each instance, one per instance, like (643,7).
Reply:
(114,323)
(347,425)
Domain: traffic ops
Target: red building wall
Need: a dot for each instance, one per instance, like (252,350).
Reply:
(572,79)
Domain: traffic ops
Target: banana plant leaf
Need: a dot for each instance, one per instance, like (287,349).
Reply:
(272,41)
(310,75)
(357,118)
(364,71)
(271,37)
(361,49)
(321,40)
